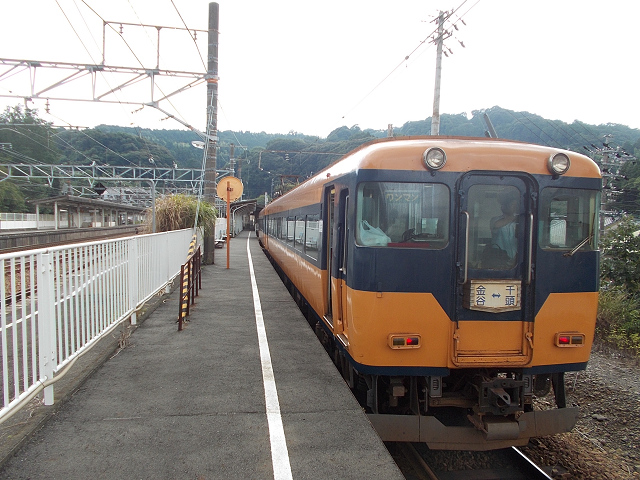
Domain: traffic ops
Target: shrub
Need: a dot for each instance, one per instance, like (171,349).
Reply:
(175,212)
(618,321)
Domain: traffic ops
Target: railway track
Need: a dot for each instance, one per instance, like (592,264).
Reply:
(13,269)
(107,235)
(419,463)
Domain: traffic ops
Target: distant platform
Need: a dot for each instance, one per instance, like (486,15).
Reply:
(15,240)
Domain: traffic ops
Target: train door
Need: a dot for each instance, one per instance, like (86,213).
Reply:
(329,199)
(336,259)
(494,308)
(340,294)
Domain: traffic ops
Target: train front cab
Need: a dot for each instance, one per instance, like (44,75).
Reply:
(449,335)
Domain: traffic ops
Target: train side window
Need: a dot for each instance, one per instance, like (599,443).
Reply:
(405,215)
(291,226)
(276,227)
(298,233)
(312,236)
(567,218)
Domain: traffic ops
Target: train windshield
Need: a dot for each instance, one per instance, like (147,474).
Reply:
(568,219)
(495,226)
(409,215)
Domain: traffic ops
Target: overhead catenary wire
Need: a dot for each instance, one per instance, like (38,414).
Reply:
(239,144)
(93,60)
(105,22)
(192,36)
(100,143)
(75,31)
(32,134)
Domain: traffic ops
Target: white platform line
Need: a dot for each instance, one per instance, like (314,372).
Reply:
(279,452)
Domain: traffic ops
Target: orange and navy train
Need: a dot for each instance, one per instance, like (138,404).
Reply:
(452,280)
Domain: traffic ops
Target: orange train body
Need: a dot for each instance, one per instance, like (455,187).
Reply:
(446,310)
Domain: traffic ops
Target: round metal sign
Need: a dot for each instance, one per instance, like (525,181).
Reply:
(232,185)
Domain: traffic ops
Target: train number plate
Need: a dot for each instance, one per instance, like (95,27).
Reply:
(493,295)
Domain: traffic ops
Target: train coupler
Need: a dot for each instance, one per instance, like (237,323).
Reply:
(501,396)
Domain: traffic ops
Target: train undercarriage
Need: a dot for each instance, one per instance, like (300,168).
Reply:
(471,409)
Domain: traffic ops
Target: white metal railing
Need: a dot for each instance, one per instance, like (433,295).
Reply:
(58,302)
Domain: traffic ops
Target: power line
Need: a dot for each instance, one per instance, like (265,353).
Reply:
(23,157)
(578,133)
(553,140)
(99,143)
(407,57)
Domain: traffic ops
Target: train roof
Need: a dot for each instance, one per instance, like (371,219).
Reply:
(463,154)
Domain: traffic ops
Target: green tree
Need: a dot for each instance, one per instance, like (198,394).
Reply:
(25,137)
(620,248)
(11,198)
(619,305)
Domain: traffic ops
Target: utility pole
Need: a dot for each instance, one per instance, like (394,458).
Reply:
(435,119)
(611,163)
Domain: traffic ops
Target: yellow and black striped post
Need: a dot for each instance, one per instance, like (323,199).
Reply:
(186,292)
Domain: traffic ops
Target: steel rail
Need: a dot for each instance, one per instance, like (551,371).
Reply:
(506,464)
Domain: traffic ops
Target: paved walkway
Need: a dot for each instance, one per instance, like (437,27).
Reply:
(192,404)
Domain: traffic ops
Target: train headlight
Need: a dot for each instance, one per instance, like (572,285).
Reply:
(558,164)
(434,158)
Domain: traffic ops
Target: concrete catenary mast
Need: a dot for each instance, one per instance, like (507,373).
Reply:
(212,105)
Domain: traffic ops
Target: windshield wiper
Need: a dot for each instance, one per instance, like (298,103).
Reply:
(571,252)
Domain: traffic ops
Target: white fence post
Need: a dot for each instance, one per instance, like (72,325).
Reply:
(46,325)
(83,293)
(167,264)
(132,262)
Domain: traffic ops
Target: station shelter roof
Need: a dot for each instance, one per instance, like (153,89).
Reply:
(86,203)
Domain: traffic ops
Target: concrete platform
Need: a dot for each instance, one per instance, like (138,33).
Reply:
(192,404)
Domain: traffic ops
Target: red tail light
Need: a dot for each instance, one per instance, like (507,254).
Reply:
(396,341)
(570,339)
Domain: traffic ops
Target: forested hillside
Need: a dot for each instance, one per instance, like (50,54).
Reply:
(263,158)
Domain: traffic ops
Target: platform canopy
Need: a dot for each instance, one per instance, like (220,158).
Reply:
(89,212)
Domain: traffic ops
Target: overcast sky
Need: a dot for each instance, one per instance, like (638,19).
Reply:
(311,66)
